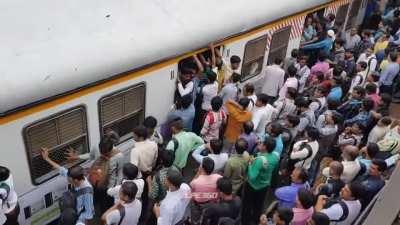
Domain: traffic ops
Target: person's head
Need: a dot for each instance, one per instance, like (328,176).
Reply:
(299,176)
(305,199)
(372,149)
(339,43)
(106,145)
(353,31)
(337,81)
(248,127)
(4,173)
(244,102)
(319,218)
(140,133)
(216,103)
(393,56)
(334,118)
(357,128)
(235,62)
(184,102)
(224,186)
(216,146)
(128,191)
(335,169)
(385,121)
(174,179)
(262,100)
(294,53)
(268,145)
(378,166)
(320,76)
(278,61)
(358,92)
(292,120)
(303,61)
(176,125)
(350,153)
(291,93)
(348,54)
(150,123)
(321,56)
(320,92)
(130,171)
(352,191)
(248,89)
(371,88)
(186,75)
(76,175)
(283,216)
(274,129)
(337,70)
(292,71)
(330,34)
(367,104)
(312,133)
(369,51)
(241,146)
(361,66)
(235,78)
(332,104)
(211,77)
(207,165)
(302,103)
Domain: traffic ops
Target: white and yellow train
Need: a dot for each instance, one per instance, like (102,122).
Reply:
(72,69)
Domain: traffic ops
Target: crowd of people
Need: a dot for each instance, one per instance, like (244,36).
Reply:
(311,143)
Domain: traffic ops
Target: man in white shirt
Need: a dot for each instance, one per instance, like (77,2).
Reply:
(319,103)
(127,210)
(262,114)
(368,57)
(214,147)
(230,90)
(172,209)
(285,106)
(290,82)
(9,209)
(144,154)
(273,79)
(303,72)
(352,39)
(209,91)
(361,76)
(305,151)
(346,210)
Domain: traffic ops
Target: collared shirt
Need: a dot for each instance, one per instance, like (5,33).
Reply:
(158,184)
(370,60)
(229,92)
(114,191)
(84,202)
(302,74)
(350,171)
(187,89)
(336,94)
(349,65)
(144,155)
(251,141)
(173,207)
(363,117)
(260,170)
(301,216)
(187,116)
(387,76)
(358,80)
(204,188)
(219,159)
(375,98)
(336,211)
(187,142)
(287,195)
(377,133)
(279,143)
(209,92)
(132,214)
(351,41)
(372,185)
(273,80)
(284,107)
(212,125)
(261,117)
(318,105)
(307,118)
(290,82)
(235,170)
(302,154)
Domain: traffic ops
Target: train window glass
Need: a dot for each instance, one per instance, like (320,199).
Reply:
(341,15)
(253,59)
(122,111)
(352,19)
(279,44)
(57,133)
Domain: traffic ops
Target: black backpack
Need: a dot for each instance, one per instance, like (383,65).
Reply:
(292,162)
(121,211)
(7,188)
(345,210)
(69,199)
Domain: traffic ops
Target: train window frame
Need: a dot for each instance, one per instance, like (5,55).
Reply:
(270,60)
(83,137)
(342,21)
(245,65)
(353,14)
(125,117)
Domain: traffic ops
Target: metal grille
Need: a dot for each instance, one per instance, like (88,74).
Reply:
(279,44)
(122,111)
(57,133)
(254,57)
(341,15)
(355,7)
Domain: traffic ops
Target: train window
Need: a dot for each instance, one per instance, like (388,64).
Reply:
(253,59)
(352,19)
(57,133)
(341,15)
(279,44)
(122,111)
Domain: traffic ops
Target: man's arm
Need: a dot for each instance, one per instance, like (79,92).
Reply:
(108,217)
(302,154)
(197,154)
(45,156)
(88,210)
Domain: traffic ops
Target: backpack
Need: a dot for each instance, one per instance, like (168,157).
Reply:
(321,109)
(7,188)
(98,173)
(69,199)
(345,214)
(121,211)
(292,162)
(361,79)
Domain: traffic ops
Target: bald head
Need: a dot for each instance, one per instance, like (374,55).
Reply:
(350,152)
(336,168)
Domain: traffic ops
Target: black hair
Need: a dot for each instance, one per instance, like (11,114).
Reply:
(332,104)
(150,122)
(382,166)
(263,98)
(337,118)
(177,123)
(276,128)
(295,53)
(285,214)
(208,165)
(216,103)
(363,65)
(236,77)
(235,59)
(339,41)
(212,76)
(106,145)
(129,189)
(393,56)
(248,127)
(175,177)
(241,145)
(321,56)
(269,144)
(244,102)
(302,102)
(337,71)
(4,173)
(306,198)
(312,133)
(216,145)
(249,88)
(185,70)
(292,71)
(323,90)
(360,125)
(303,174)
(320,218)
(371,88)
(320,76)
(224,185)
(293,119)
(186,101)
(277,61)
(167,158)
(291,92)
(367,104)
(357,190)
(359,90)
(76,172)
(140,131)
(130,171)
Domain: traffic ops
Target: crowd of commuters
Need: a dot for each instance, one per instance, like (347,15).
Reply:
(313,146)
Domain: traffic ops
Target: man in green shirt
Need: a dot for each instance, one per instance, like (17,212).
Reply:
(258,180)
(182,143)
(236,167)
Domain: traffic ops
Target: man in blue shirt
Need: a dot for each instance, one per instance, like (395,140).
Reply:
(275,130)
(336,92)
(75,176)
(287,195)
(324,45)
(387,76)
(184,109)
(373,181)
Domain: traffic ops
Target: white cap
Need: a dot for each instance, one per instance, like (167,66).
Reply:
(331,33)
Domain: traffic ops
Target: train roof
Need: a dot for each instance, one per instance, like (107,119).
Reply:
(52,47)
